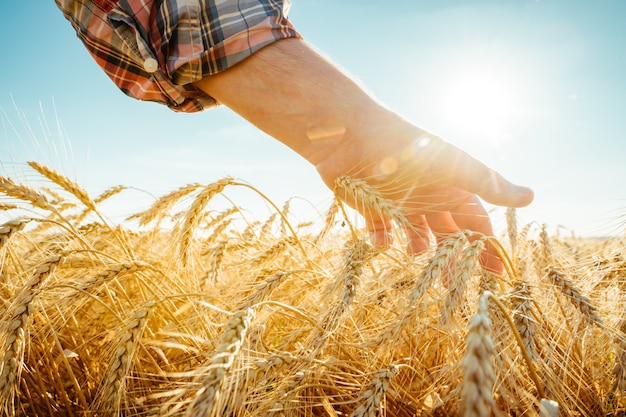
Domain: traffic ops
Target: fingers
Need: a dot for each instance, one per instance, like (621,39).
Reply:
(472,216)
(379,230)
(418,235)
(460,170)
(468,214)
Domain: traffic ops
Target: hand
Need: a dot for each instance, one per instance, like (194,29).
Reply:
(434,184)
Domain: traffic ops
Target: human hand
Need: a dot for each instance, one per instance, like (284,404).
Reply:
(434,184)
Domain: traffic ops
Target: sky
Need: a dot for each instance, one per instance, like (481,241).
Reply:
(536,89)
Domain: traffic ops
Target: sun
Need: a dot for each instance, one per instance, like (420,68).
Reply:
(482,99)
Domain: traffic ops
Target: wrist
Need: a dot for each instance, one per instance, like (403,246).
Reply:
(377,145)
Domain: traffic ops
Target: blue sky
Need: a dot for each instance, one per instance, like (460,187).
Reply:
(536,89)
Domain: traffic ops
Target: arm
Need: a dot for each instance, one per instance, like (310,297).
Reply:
(298,97)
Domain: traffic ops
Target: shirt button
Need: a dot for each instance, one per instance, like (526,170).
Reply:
(150,65)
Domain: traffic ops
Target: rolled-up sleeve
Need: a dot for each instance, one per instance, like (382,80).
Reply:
(154,50)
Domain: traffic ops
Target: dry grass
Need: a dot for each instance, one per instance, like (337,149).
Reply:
(182,311)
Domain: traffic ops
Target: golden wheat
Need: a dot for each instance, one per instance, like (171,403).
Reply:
(15,331)
(230,343)
(23,193)
(372,396)
(478,374)
(271,320)
(65,183)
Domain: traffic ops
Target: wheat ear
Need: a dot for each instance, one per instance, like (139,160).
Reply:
(161,207)
(372,396)
(91,284)
(262,367)
(511,228)
(436,269)
(193,216)
(263,289)
(14,332)
(121,365)
(231,341)
(575,296)
(478,374)
(217,255)
(372,199)
(329,221)
(109,193)
(521,301)
(285,215)
(65,183)
(545,257)
(271,253)
(9,228)
(356,254)
(219,224)
(619,369)
(463,273)
(281,398)
(7,206)
(21,192)
(102,197)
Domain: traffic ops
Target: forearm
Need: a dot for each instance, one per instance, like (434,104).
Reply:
(295,95)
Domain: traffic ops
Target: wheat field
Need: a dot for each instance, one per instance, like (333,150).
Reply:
(185,310)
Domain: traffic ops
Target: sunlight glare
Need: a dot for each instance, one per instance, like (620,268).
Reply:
(481,99)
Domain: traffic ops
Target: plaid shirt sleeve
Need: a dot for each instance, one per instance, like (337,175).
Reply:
(154,49)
